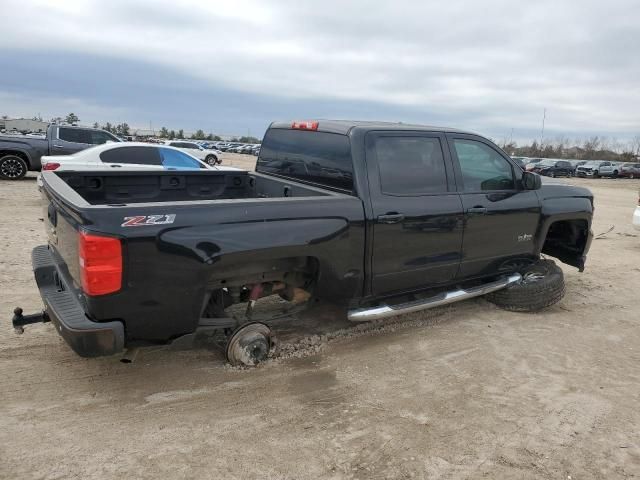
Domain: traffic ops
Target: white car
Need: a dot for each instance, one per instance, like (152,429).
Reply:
(211,157)
(127,156)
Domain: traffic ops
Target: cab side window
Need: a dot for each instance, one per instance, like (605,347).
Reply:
(411,165)
(74,135)
(482,167)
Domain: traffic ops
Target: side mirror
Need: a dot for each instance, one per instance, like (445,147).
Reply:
(531,181)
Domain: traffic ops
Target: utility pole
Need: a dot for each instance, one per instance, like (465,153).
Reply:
(544,116)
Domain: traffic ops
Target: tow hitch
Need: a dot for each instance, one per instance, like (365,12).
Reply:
(19,320)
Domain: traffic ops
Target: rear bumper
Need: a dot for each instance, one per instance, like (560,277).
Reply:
(86,338)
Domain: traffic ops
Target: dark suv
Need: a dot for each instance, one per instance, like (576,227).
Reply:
(553,168)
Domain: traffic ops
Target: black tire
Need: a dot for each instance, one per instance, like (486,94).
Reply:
(211,160)
(542,285)
(596,174)
(13,167)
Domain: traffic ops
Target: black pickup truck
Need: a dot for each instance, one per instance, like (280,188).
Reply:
(381,218)
(21,153)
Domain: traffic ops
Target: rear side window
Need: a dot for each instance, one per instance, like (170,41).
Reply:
(136,155)
(314,157)
(175,159)
(410,165)
(74,135)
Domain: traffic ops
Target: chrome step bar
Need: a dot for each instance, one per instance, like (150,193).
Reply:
(385,311)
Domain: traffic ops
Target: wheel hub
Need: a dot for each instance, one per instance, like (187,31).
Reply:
(249,345)
(531,277)
(11,168)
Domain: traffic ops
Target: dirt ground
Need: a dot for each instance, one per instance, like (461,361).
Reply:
(465,391)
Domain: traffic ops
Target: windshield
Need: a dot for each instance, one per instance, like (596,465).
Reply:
(547,162)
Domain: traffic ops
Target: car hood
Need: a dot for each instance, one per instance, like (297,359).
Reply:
(556,188)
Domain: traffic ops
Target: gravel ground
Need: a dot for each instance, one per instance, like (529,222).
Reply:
(466,391)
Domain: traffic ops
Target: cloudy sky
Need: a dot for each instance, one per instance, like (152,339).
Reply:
(232,67)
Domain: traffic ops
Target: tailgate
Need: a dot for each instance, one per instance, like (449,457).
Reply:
(62,233)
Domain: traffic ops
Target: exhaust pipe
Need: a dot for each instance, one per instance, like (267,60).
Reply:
(385,311)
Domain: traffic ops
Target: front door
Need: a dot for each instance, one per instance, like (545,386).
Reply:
(417,232)
(500,217)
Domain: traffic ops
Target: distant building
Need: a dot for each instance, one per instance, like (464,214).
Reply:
(23,125)
(142,133)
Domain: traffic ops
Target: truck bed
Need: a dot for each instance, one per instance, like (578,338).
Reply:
(183,233)
(118,188)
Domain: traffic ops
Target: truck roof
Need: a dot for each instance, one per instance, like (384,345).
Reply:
(345,126)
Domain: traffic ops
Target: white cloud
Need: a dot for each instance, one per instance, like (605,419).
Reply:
(490,64)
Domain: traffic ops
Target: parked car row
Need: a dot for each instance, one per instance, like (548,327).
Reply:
(234,147)
(552,167)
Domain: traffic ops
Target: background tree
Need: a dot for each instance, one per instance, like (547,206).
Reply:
(249,140)
(96,125)
(164,133)
(121,129)
(172,134)
(634,146)
(210,136)
(199,135)
(72,118)
(591,147)
(108,127)
(180,134)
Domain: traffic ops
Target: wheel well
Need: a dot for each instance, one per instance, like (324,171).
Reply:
(291,269)
(22,155)
(566,240)
(293,279)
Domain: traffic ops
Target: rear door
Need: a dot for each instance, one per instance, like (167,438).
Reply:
(417,232)
(500,217)
(70,140)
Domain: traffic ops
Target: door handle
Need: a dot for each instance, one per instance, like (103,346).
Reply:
(57,146)
(390,218)
(115,166)
(478,210)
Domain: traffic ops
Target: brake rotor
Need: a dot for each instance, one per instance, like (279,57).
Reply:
(249,344)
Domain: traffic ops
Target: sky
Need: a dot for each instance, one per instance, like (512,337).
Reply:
(232,67)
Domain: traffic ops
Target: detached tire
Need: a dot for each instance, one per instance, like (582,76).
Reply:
(13,167)
(542,285)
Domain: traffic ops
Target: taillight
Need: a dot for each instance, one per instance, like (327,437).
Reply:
(50,166)
(304,125)
(100,264)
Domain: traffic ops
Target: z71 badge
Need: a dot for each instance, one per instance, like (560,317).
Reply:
(145,221)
